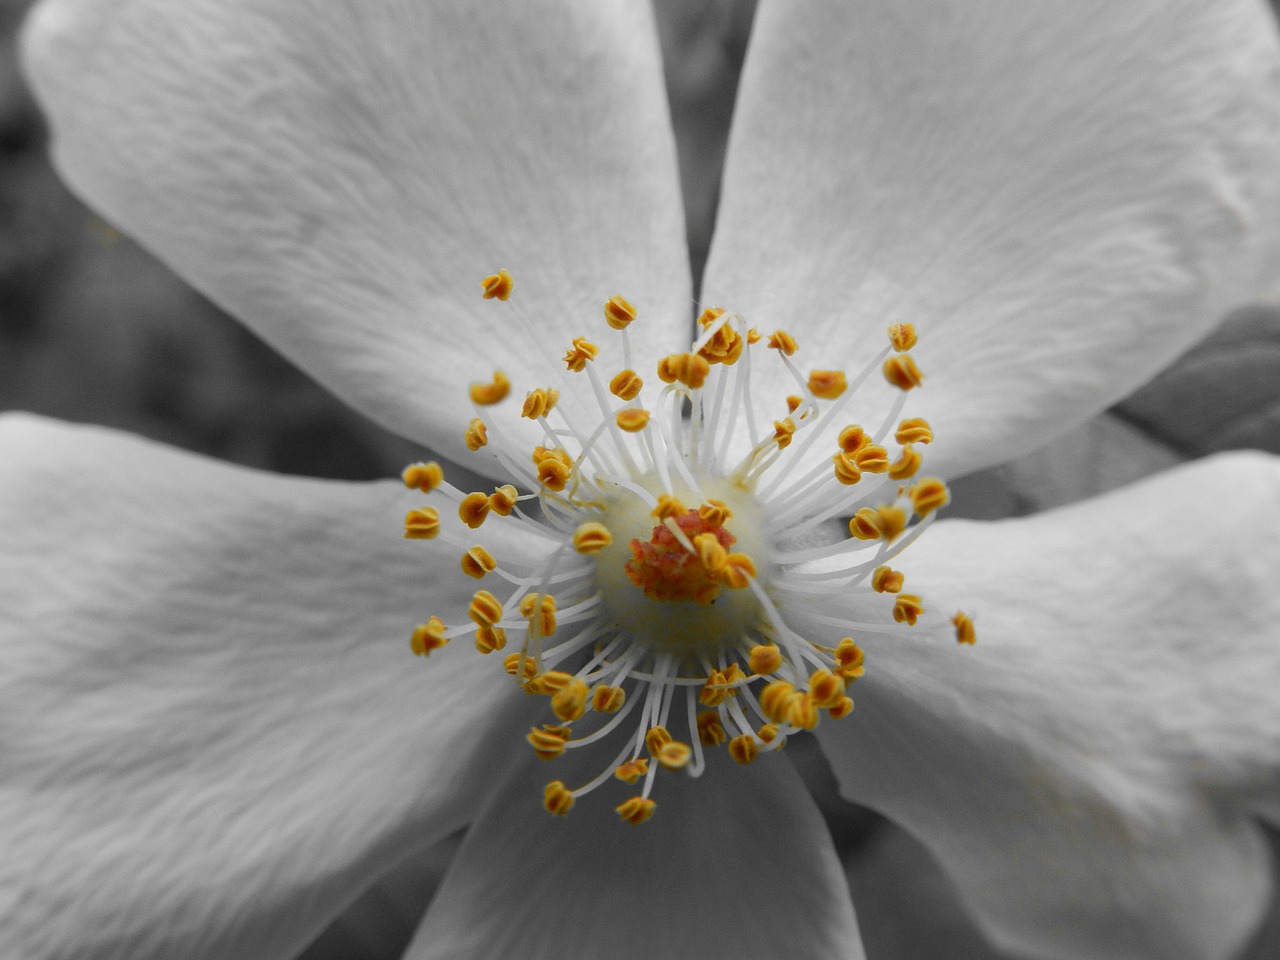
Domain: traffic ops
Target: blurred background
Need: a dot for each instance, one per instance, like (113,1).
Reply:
(94,329)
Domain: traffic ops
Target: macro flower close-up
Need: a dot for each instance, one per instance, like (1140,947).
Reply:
(670,520)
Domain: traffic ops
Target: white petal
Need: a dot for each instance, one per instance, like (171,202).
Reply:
(213,733)
(1090,771)
(1062,197)
(341,174)
(735,864)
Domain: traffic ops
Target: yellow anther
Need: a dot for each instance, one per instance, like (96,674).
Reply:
(576,356)
(632,419)
(901,371)
(541,453)
(906,465)
(557,798)
(914,430)
(872,458)
(886,580)
(626,385)
(929,495)
(489,639)
(754,336)
(636,810)
(744,748)
(965,632)
(710,730)
(769,733)
(519,664)
(726,344)
(478,561)
(422,524)
(423,476)
(605,699)
(804,712)
(841,709)
(865,524)
(540,609)
(569,703)
(893,520)
(484,609)
(474,509)
(827,384)
(499,285)
(675,755)
(849,659)
(738,571)
(776,700)
(710,552)
(783,431)
(548,683)
(632,770)
(793,402)
(853,438)
(902,336)
(539,402)
(618,313)
(476,435)
(846,469)
(553,474)
(668,506)
(591,537)
(907,609)
(714,692)
(548,741)
(715,512)
(825,688)
(765,659)
(710,316)
(503,500)
(487,394)
(781,340)
(688,368)
(427,637)
(656,738)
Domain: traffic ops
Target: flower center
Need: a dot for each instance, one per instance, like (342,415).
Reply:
(656,614)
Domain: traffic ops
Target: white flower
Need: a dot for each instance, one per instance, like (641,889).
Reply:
(212,736)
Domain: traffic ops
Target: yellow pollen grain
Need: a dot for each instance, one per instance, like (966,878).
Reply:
(557,798)
(591,537)
(827,384)
(901,371)
(427,637)
(781,340)
(626,385)
(582,351)
(885,579)
(636,810)
(487,394)
(902,336)
(477,435)
(906,465)
(423,476)
(474,509)
(618,312)
(744,748)
(928,495)
(539,402)
(477,562)
(907,609)
(632,419)
(498,285)
(422,524)
(965,631)
(914,430)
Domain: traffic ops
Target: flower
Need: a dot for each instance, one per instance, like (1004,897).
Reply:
(212,734)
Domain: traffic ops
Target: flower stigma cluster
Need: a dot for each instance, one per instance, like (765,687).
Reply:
(654,618)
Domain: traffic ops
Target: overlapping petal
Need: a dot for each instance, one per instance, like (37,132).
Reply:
(340,174)
(212,732)
(1090,771)
(1061,196)
(736,864)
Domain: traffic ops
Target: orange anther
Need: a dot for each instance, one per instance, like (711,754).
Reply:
(765,659)
(632,770)
(710,730)
(423,476)
(632,419)
(503,500)
(489,639)
(841,709)
(793,402)
(715,512)
(577,356)
(849,659)
(901,371)
(928,495)
(569,703)
(710,316)
(487,394)
(737,572)
(902,336)
(478,561)
(783,431)
(636,810)
(744,748)
(965,631)
(769,733)
(557,798)
(781,340)
(476,434)
(591,537)
(710,552)
(539,402)
(907,609)
(674,755)
(906,465)
(422,524)
(618,313)
(668,506)
(548,741)
(825,688)
(914,430)
(714,692)
(553,474)
(498,285)
(427,637)
(827,384)
(519,664)
(893,520)
(871,458)
(804,712)
(886,580)
(865,524)
(776,700)
(605,699)
(484,609)
(853,438)
(547,683)
(540,610)
(474,509)
(687,368)
(626,385)
(656,738)
(846,469)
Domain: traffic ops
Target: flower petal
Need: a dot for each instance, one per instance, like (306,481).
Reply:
(1062,197)
(1089,771)
(736,864)
(214,734)
(342,173)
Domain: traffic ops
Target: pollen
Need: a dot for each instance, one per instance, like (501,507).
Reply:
(668,582)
